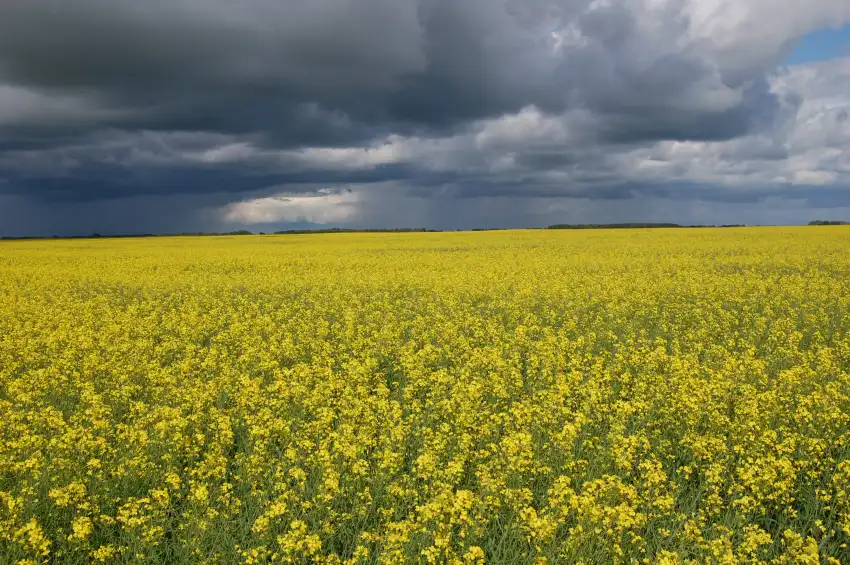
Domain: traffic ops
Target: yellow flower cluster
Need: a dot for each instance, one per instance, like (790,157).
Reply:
(530,397)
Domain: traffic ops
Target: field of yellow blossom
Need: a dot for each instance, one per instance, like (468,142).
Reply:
(516,397)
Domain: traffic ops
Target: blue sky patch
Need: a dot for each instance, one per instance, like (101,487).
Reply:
(822,45)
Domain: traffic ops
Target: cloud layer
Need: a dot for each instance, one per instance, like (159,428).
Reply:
(431,112)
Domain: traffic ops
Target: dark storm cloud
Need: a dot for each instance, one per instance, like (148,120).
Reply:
(675,95)
(103,182)
(75,178)
(23,217)
(363,67)
(538,99)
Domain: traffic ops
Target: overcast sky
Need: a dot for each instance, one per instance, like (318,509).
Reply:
(122,116)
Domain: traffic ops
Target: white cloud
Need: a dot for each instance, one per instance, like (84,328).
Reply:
(393,150)
(751,33)
(528,127)
(229,153)
(324,207)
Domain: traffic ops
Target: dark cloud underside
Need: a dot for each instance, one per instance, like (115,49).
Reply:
(212,103)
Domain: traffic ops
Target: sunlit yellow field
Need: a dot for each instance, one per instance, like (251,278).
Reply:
(631,396)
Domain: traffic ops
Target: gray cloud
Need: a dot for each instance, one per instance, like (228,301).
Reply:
(432,102)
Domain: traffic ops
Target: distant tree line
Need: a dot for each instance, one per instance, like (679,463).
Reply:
(635,225)
(229,233)
(125,235)
(611,226)
(355,230)
(828,223)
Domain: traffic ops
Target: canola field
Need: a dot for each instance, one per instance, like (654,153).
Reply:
(518,397)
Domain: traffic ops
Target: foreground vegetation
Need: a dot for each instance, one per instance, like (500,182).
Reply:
(529,397)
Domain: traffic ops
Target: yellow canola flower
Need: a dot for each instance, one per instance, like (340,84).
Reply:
(537,396)
(82,528)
